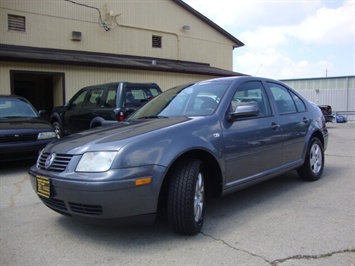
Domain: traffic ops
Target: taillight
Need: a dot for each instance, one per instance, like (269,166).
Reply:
(120,116)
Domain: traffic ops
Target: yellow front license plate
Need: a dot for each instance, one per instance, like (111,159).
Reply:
(43,186)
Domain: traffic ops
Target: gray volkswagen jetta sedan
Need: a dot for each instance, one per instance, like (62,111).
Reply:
(204,139)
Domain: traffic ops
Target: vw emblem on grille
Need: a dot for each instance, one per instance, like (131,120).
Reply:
(49,160)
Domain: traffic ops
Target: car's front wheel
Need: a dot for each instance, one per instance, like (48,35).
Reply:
(313,166)
(57,129)
(186,197)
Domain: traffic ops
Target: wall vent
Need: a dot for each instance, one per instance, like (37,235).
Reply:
(156,41)
(16,23)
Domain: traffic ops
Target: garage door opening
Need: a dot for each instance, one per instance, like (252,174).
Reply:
(44,90)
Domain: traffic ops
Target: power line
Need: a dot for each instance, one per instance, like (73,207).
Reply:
(101,21)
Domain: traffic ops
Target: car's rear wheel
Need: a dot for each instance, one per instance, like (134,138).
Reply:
(57,129)
(313,166)
(186,197)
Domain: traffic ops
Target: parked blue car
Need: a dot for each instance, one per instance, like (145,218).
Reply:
(341,119)
(205,139)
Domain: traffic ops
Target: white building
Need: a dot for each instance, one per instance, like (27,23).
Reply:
(338,92)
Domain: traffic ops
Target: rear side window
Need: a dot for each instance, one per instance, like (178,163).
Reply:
(301,107)
(110,100)
(283,98)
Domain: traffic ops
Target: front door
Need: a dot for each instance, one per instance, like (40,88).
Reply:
(253,145)
(80,117)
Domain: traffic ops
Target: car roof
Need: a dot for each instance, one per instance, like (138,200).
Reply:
(118,82)
(13,96)
(237,79)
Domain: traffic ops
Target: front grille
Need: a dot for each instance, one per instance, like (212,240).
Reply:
(17,137)
(85,209)
(58,165)
(55,204)
(59,206)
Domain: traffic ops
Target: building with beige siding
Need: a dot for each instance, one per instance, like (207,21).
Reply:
(49,49)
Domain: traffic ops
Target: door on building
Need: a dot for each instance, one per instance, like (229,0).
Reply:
(44,90)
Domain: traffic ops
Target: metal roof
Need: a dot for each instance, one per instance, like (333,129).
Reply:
(79,58)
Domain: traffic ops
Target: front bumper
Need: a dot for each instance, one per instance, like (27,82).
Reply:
(112,196)
(22,149)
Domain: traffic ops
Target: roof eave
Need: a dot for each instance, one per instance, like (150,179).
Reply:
(68,57)
(209,22)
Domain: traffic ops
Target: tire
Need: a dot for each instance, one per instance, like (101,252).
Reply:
(57,129)
(186,198)
(313,166)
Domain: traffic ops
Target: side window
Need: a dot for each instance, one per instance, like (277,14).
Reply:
(283,99)
(154,92)
(133,97)
(94,98)
(79,99)
(137,96)
(301,107)
(111,97)
(252,92)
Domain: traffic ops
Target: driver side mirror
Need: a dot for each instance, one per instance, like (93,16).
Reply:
(70,105)
(244,111)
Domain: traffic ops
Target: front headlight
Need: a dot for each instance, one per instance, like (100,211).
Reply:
(99,161)
(46,135)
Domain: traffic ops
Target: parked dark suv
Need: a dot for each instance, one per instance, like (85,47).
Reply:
(101,104)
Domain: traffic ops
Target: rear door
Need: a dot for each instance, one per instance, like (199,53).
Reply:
(109,103)
(294,121)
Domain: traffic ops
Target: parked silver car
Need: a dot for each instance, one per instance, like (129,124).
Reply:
(193,141)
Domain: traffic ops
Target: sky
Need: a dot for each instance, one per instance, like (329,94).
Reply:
(287,39)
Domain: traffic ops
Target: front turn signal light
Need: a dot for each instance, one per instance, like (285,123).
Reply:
(143,181)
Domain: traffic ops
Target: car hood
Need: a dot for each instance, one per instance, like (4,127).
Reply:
(23,123)
(111,137)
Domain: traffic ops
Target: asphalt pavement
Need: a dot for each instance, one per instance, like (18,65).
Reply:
(284,221)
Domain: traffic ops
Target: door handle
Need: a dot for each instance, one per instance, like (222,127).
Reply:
(275,127)
(305,120)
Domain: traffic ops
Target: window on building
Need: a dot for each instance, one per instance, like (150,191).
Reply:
(16,23)
(156,41)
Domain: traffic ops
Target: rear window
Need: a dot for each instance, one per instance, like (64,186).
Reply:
(136,96)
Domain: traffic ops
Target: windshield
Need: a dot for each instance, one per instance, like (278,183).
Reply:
(199,99)
(13,107)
